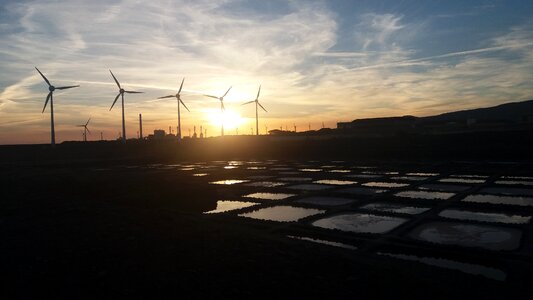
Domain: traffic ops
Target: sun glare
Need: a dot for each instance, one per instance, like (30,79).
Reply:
(229,118)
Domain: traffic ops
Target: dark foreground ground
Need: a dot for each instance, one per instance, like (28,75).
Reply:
(88,226)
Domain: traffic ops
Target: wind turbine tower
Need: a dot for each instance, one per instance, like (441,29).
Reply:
(85,130)
(50,97)
(256,110)
(121,92)
(222,109)
(178,98)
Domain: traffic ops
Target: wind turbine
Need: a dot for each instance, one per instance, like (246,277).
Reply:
(121,92)
(221,106)
(50,97)
(85,130)
(178,98)
(256,114)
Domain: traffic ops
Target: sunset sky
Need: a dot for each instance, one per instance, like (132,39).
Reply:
(317,61)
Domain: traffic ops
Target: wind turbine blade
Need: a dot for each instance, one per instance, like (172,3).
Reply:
(184,105)
(258,92)
(87,122)
(223,108)
(227,92)
(179,91)
(133,92)
(248,102)
(169,96)
(212,96)
(115,79)
(66,87)
(88,130)
(43,76)
(261,106)
(116,98)
(46,102)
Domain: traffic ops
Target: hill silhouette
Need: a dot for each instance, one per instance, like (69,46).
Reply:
(515,111)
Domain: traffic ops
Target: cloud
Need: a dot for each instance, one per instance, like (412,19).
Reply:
(291,49)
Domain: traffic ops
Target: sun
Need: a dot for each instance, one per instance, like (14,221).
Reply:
(229,118)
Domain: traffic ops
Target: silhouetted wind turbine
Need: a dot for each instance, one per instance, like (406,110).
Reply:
(178,98)
(50,97)
(256,114)
(85,130)
(221,106)
(121,93)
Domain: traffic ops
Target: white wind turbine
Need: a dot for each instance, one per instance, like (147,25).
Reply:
(256,109)
(178,98)
(50,97)
(221,106)
(121,93)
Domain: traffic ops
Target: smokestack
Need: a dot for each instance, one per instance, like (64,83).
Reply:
(141,126)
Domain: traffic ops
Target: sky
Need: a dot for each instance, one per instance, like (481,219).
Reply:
(317,62)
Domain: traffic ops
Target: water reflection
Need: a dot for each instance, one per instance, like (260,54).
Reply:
(507,191)
(494,199)
(385,184)
(467,235)
(265,184)
(363,223)
(410,178)
(310,170)
(269,196)
(462,180)
(514,182)
(224,205)
(425,195)
(335,182)
(228,181)
(422,174)
(199,174)
(444,187)
(325,201)
(324,242)
(395,208)
(282,213)
(484,217)
(339,171)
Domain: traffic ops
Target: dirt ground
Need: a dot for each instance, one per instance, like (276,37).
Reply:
(87,228)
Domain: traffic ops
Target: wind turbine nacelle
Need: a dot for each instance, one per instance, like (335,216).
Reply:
(51,88)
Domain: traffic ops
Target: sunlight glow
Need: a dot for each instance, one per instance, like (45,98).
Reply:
(230,118)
